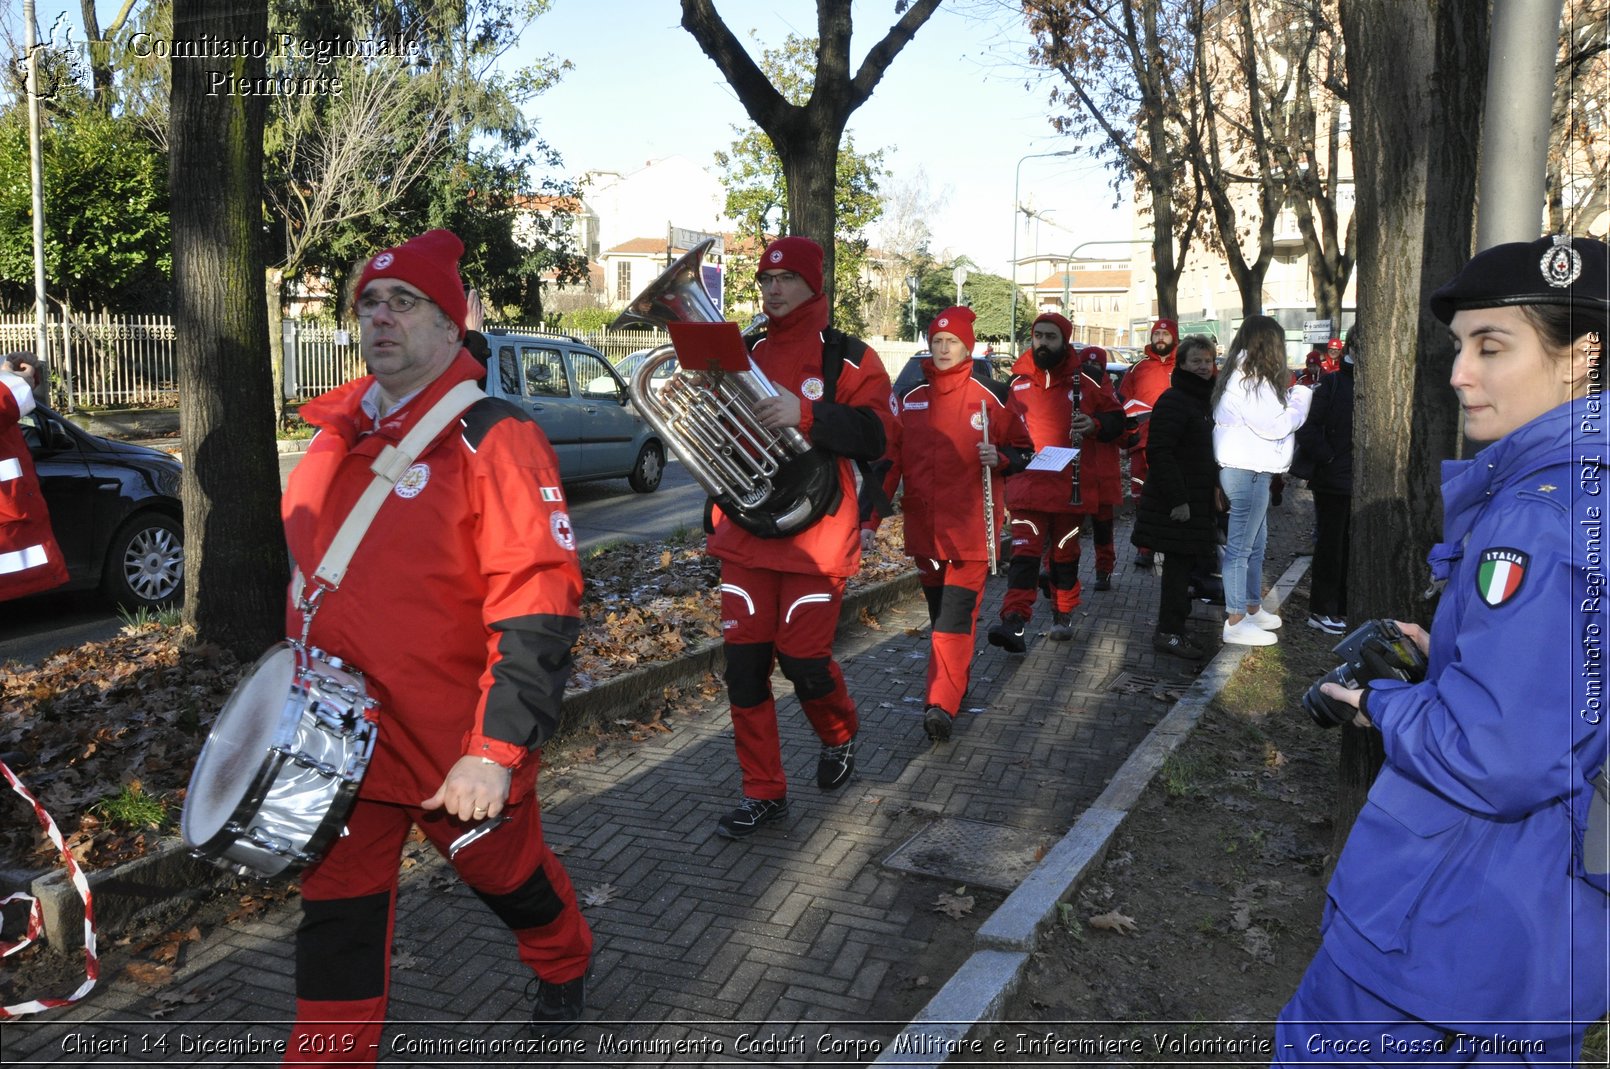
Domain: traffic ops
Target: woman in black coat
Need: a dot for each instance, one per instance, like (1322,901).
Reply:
(1176,509)
(1325,441)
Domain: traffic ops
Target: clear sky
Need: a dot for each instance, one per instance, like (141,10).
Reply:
(960,102)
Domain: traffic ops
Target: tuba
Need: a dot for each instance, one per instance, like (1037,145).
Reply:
(770,483)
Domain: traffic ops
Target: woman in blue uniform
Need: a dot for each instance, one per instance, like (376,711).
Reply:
(1466,920)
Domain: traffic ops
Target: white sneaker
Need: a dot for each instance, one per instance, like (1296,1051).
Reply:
(1248,633)
(1266,620)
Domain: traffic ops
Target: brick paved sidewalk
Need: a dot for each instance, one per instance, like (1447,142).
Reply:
(796,945)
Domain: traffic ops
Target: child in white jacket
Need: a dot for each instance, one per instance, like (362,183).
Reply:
(1255,418)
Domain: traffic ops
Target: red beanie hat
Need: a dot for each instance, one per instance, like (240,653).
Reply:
(429,263)
(1058,321)
(799,255)
(1094,354)
(957,320)
(1169,325)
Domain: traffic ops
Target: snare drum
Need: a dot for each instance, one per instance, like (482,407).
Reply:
(281,767)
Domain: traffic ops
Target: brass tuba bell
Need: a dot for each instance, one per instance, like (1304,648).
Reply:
(770,483)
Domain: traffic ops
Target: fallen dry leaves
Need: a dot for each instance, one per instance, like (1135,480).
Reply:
(1114,922)
(955,906)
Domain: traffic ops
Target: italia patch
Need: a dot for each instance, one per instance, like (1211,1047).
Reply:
(812,389)
(413,481)
(552,493)
(1499,574)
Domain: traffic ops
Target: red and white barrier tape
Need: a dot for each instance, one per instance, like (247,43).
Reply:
(36,923)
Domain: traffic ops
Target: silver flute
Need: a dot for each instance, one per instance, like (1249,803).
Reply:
(991,535)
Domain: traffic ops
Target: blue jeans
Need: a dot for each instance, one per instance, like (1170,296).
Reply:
(1248,492)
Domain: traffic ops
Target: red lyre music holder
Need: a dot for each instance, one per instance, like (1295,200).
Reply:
(709,346)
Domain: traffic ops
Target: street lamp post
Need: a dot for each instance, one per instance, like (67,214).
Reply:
(1067,265)
(1017,179)
(959,276)
(911,287)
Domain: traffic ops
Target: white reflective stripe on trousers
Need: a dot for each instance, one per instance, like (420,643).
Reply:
(23,559)
(749,602)
(788,617)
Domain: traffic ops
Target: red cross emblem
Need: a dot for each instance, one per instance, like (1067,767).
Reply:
(563,533)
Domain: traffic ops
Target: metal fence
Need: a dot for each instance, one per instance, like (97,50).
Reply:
(113,361)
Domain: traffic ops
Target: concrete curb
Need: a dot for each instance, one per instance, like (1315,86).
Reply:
(136,890)
(980,988)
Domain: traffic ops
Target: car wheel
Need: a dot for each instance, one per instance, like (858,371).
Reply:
(145,564)
(649,469)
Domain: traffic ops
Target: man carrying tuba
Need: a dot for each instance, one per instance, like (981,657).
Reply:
(780,596)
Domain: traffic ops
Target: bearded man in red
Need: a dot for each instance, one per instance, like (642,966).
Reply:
(1142,385)
(1062,409)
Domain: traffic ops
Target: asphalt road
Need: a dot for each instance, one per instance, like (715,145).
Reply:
(601,512)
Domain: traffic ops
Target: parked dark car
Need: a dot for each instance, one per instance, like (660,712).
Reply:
(581,403)
(911,375)
(114,507)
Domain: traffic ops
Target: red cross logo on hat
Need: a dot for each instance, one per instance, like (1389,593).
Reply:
(383,261)
(776,256)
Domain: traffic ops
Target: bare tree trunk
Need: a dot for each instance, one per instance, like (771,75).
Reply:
(272,291)
(235,561)
(1412,68)
(807,137)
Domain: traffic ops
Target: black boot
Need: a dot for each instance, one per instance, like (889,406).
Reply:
(1008,634)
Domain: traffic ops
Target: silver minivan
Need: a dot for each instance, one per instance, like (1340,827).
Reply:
(581,403)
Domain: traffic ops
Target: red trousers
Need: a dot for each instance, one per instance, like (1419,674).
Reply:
(953,589)
(343,944)
(1099,524)
(788,619)
(1032,533)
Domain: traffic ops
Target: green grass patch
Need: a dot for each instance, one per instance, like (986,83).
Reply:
(132,808)
(1184,775)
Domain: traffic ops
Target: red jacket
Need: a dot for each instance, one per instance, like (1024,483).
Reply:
(1100,479)
(463,600)
(935,450)
(30,559)
(855,425)
(1143,384)
(1044,400)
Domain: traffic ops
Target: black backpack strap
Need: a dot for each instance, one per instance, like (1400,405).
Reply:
(837,347)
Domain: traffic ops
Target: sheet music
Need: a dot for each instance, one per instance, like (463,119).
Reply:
(1053,458)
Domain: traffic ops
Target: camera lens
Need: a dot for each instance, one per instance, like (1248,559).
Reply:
(1324,710)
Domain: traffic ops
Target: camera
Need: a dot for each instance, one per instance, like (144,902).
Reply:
(1375,650)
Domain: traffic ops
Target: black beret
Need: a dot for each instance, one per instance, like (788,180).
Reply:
(1556,270)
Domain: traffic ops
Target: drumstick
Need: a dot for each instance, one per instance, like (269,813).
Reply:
(990,534)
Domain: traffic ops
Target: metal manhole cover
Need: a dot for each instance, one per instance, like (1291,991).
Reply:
(970,852)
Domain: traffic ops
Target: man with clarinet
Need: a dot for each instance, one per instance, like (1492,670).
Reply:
(953,437)
(1045,501)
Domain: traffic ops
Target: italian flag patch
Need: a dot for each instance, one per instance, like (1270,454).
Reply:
(1499,574)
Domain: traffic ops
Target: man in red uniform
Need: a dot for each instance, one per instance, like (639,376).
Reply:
(460,605)
(1142,385)
(942,450)
(780,596)
(1101,488)
(1047,379)
(30,559)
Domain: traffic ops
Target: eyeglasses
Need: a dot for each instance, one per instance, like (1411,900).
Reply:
(399,302)
(776,278)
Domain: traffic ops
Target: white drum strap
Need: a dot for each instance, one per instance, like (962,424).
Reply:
(388,467)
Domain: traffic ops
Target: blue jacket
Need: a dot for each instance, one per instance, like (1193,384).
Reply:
(1458,895)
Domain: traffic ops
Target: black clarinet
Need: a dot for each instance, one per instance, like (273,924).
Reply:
(1074,440)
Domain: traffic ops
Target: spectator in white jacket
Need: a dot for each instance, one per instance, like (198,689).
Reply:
(1255,418)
